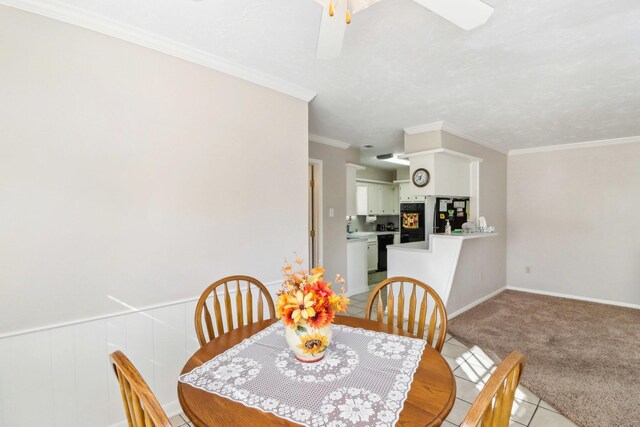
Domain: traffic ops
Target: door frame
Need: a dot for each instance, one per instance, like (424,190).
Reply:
(320,213)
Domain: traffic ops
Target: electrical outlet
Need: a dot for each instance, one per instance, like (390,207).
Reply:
(527,269)
(331,212)
(481,276)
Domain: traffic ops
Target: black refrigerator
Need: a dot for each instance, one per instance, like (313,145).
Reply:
(450,208)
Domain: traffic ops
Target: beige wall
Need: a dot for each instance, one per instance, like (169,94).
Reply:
(334,195)
(376,174)
(129,175)
(573,218)
(482,264)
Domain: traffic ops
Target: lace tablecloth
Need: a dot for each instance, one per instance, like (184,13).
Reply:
(363,379)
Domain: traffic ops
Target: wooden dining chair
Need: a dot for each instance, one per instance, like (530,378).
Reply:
(140,404)
(255,292)
(430,303)
(492,407)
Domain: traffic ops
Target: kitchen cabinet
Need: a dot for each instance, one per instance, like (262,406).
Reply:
(352,201)
(406,196)
(377,199)
(372,253)
(396,239)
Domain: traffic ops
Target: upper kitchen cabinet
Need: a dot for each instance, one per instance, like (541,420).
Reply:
(450,172)
(406,194)
(377,198)
(352,200)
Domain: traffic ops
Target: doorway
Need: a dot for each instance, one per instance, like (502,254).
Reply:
(315,213)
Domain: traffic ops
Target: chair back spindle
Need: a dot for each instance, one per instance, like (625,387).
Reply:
(492,407)
(140,404)
(393,289)
(215,303)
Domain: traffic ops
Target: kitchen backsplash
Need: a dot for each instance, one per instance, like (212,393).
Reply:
(358,222)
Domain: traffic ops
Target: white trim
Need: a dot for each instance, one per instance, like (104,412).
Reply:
(268,285)
(429,127)
(356,167)
(575,145)
(441,151)
(101,24)
(327,141)
(476,302)
(320,211)
(373,181)
(576,297)
(447,127)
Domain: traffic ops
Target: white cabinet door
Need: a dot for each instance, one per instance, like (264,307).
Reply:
(386,200)
(405,195)
(395,202)
(362,196)
(372,256)
(373,199)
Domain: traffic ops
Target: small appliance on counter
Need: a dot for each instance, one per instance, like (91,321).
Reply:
(380,227)
(391,227)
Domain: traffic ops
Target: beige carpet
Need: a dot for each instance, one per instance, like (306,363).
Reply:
(582,358)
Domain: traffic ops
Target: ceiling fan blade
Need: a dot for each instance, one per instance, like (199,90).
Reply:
(466,14)
(332,30)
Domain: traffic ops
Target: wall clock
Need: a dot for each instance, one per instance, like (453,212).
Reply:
(421,177)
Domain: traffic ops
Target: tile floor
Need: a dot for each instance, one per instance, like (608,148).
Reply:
(471,368)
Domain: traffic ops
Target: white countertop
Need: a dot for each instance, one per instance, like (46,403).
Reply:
(424,246)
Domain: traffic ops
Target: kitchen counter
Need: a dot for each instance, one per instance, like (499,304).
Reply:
(365,234)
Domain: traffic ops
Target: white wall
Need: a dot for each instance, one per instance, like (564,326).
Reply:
(572,219)
(129,175)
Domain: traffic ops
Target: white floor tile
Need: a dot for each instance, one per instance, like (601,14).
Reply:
(458,412)
(455,342)
(523,393)
(177,421)
(522,412)
(453,351)
(546,418)
(453,362)
(466,390)
(472,373)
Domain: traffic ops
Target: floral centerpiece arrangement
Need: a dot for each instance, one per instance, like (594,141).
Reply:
(307,305)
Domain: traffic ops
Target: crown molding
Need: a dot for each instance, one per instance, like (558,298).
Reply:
(575,145)
(429,127)
(104,25)
(449,128)
(328,141)
(355,166)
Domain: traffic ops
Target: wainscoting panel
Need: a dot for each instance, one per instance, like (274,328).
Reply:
(62,377)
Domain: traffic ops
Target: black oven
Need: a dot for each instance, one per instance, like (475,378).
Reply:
(412,228)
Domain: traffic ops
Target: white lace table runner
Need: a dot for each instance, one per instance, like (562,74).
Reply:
(363,379)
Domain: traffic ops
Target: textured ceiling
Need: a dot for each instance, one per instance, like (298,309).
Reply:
(540,72)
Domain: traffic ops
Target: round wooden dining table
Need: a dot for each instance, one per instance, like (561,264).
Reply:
(428,403)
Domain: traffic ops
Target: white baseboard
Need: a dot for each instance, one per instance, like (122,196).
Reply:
(476,302)
(576,297)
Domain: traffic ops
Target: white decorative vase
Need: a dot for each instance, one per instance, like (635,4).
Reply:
(308,344)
